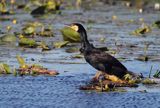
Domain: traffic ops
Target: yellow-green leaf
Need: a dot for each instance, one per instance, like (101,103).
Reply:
(70,35)
(4,68)
(141,30)
(8,38)
(27,42)
(29,30)
(21,61)
(60,44)
(7,68)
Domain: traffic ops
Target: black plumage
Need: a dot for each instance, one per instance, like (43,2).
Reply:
(97,58)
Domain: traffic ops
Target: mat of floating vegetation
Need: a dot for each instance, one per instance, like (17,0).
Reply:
(110,86)
(107,85)
(33,69)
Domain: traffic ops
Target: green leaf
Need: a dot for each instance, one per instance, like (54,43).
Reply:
(7,68)
(157,74)
(141,30)
(15,72)
(8,38)
(4,68)
(60,44)
(127,77)
(51,5)
(70,35)
(21,61)
(27,42)
(44,46)
(46,32)
(78,56)
(3,7)
(72,50)
(29,30)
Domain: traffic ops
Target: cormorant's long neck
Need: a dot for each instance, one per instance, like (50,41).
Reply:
(84,39)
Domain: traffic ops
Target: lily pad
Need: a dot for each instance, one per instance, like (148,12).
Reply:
(27,42)
(28,30)
(44,46)
(31,28)
(46,32)
(60,44)
(8,38)
(70,35)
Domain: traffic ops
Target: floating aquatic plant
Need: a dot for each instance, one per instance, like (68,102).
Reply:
(156,24)
(4,68)
(157,74)
(8,38)
(26,42)
(142,30)
(148,81)
(60,44)
(50,6)
(37,29)
(32,69)
(70,35)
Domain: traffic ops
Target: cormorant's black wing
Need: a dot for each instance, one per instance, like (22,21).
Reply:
(102,57)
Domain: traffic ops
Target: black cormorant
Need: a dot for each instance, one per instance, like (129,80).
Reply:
(99,59)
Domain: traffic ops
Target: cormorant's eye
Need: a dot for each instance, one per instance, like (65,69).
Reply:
(74,27)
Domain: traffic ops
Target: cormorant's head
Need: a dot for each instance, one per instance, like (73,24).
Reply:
(77,27)
(83,34)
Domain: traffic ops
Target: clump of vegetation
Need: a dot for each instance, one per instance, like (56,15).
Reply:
(157,74)
(49,6)
(142,30)
(4,68)
(3,8)
(148,81)
(156,24)
(37,29)
(34,69)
